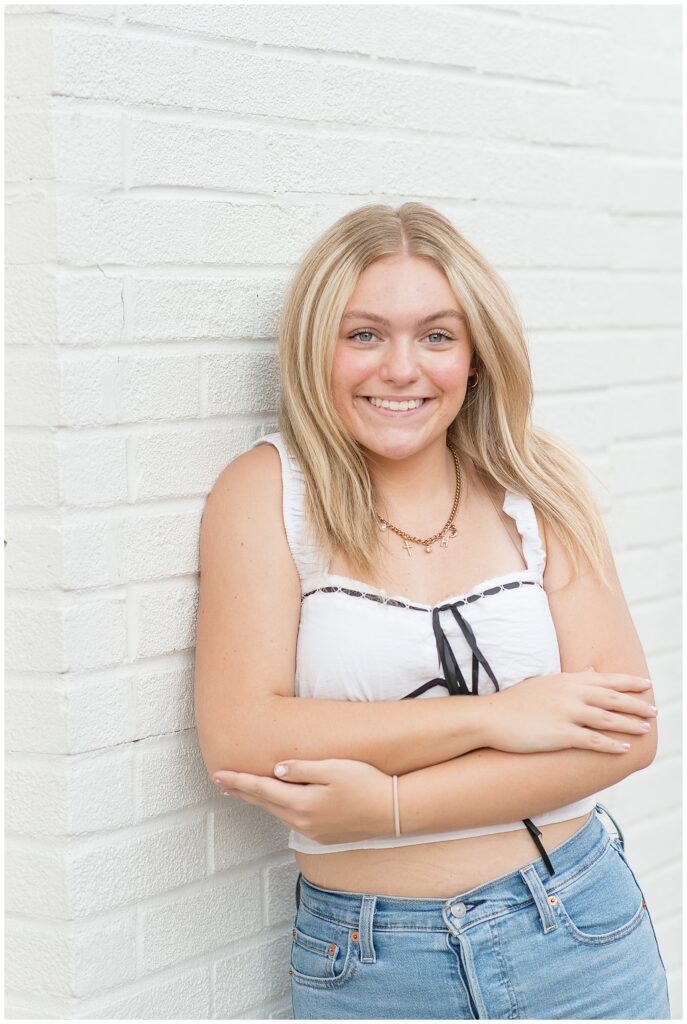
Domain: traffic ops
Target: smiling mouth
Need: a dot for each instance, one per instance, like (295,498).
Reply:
(395,407)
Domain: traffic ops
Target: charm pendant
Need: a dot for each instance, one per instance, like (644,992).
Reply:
(382,526)
(428,549)
(406,545)
(448,536)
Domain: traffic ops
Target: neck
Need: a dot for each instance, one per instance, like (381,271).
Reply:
(418,489)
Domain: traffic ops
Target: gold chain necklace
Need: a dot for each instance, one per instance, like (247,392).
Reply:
(448,530)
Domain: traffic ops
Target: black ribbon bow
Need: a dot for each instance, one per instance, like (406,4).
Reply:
(455,684)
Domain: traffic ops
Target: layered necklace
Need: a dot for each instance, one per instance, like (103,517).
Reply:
(447,532)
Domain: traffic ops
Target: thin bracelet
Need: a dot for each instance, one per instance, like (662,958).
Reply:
(397,824)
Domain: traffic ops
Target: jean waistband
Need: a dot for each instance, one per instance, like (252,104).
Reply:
(571,858)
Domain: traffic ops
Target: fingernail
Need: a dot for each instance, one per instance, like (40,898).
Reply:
(281,769)
(653,708)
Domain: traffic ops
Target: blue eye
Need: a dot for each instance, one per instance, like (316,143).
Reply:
(440,334)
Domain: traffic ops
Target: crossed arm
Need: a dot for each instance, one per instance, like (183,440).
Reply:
(250,728)
(489,787)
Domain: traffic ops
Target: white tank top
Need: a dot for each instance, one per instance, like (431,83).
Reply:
(356,642)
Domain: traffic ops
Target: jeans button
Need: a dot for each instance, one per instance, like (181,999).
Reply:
(458,910)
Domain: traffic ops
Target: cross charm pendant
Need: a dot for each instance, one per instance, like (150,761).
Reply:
(406,545)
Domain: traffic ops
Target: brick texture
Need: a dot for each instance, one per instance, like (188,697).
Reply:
(166,168)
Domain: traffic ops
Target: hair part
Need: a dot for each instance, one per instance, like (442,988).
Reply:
(493,427)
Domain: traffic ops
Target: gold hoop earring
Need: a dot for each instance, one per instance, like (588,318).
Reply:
(476,376)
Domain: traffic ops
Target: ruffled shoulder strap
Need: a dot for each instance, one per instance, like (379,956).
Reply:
(520,508)
(311,561)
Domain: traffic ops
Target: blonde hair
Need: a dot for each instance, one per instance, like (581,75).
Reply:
(493,427)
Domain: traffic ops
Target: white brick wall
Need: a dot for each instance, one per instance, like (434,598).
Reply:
(167,167)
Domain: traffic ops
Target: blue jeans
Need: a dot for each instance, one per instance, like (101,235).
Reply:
(578,944)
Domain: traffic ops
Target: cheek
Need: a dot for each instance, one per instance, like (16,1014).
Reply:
(452,376)
(347,372)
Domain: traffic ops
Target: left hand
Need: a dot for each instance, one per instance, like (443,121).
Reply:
(331,801)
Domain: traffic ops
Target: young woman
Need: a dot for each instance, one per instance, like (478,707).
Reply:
(376,578)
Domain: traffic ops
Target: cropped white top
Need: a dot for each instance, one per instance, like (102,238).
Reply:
(356,642)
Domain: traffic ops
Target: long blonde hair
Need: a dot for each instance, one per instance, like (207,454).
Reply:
(493,427)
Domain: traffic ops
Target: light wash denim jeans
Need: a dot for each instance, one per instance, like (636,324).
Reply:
(578,944)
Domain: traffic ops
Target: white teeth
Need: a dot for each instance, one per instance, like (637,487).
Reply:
(397,406)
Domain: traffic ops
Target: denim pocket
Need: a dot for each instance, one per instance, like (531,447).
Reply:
(323,953)
(604,903)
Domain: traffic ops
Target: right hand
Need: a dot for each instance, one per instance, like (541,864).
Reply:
(566,710)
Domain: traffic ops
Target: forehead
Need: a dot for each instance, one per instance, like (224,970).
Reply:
(405,290)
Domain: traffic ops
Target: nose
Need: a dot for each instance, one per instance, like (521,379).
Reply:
(399,363)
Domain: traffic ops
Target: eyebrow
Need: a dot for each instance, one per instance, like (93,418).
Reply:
(360,314)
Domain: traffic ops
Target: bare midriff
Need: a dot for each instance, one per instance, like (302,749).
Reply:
(439,870)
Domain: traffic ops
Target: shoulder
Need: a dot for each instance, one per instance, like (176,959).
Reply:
(248,492)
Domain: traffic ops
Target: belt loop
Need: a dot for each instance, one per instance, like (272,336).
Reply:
(618,829)
(367,913)
(540,896)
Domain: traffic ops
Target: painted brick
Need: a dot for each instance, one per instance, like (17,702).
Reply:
(241,382)
(171,775)
(628,356)
(168,165)
(34,637)
(158,388)
(581,420)
(90,309)
(30,228)
(163,701)
(24,77)
(156,545)
(242,830)
(177,308)
(107,949)
(35,882)
(639,412)
(646,243)
(233,232)
(237,21)
(166,616)
(28,146)
(33,553)
(643,517)
(35,717)
(94,633)
(184,995)
(143,863)
(32,392)
(94,470)
(639,465)
(131,231)
(61,392)
(214,157)
(88,147)
(186,462)
(30,288)
(247,977)
(123,70)
(200,922)
(62,797)
(280,887)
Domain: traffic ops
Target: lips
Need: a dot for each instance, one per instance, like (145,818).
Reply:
(396,412)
